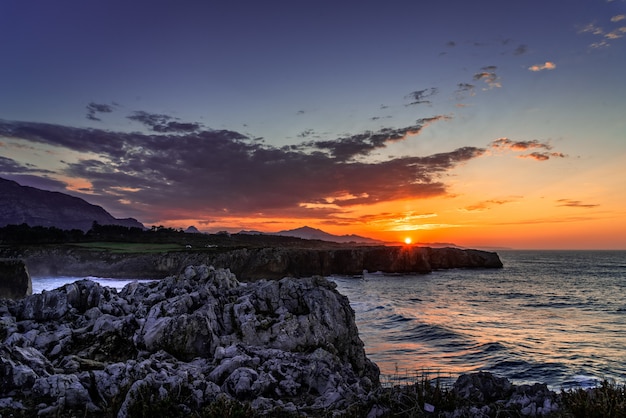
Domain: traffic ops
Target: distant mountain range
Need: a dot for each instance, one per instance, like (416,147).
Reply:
(35,207)
(307,232)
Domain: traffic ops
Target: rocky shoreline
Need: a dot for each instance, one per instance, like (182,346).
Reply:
(289,347)
(249,263)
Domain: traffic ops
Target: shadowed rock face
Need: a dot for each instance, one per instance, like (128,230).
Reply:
(15,281)
(291,343)
(251,264)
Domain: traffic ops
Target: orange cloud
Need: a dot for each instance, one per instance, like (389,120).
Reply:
(548,65)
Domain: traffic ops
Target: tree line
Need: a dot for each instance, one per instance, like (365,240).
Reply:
(26,234)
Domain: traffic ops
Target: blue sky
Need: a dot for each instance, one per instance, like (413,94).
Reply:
(396,108)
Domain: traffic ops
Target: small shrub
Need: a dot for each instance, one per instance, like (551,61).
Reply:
(607,401)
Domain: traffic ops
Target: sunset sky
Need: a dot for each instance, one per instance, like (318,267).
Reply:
(479,123)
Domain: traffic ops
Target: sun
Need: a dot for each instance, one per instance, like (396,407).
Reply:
(407,240)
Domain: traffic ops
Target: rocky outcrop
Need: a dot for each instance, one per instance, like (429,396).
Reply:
(191,339)
(488,395)
(253,263)
(15,281)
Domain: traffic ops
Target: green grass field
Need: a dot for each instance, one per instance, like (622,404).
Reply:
(130,247)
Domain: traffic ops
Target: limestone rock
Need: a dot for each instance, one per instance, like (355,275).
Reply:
(290,344)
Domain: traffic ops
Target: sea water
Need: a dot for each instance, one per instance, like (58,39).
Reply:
(555,317)
(49,283)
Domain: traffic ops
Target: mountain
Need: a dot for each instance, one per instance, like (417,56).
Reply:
(36,207)
(307,232)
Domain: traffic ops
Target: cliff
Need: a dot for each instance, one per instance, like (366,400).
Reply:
(250,264)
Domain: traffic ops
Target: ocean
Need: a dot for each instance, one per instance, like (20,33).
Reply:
(554,317)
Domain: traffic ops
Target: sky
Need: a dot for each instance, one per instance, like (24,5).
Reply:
(480,123)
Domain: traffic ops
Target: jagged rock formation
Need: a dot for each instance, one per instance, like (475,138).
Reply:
(252,263)
(36,207)
(15,282)
(288,344)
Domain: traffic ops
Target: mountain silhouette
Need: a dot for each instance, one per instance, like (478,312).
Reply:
(35,207)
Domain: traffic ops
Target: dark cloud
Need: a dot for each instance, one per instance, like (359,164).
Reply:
(94,108)
(451,44)
(518,146)
(306,133)
(349,147)
(209,173)
(10,166)
(506,143)
(543,156)
(489,76)
(575,204)
(521,50)
(163,123)
(421,96)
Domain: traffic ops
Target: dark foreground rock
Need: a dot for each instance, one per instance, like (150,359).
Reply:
(194,338)
(15,282)
(250,264)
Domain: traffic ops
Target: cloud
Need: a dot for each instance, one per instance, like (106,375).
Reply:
(306,133)
(617,33)
(163,123)
(209,173)
(10,166)
(521,49)
(548,65)
(485,204)
(465,89)
(575,204)
(93,108)
(347,148)
(489,76)
(605,35)
(543,156)
(421,96)
(506,144)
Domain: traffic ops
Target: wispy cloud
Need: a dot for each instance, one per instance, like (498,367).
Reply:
(164,123)
(520,50)
(605,35)
(489,76)
(575,204)
(486,204)
(94,108)
(349,147)
(504,144)
(421,96)
(548,65)
(543,156)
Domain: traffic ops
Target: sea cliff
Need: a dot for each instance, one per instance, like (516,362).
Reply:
(250,264)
